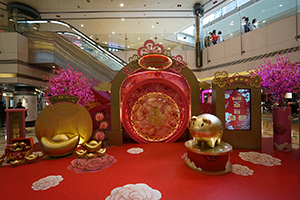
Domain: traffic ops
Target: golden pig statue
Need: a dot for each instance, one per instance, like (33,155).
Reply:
(206,129)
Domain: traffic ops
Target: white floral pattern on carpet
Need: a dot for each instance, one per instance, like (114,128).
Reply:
(138,191)
(47,182)
(259,158)
(135,150)
(242,170)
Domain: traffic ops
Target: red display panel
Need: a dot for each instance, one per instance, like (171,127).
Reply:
(237,109)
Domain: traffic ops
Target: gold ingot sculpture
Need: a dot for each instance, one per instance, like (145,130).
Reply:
(90,155)
(15,163)
(206,129)
(101,152)
(22,144)
(81,153)
(68,118)
(93,146)
(31,158)
(59,145)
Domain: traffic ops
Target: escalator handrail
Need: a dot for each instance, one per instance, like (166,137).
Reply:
(92,42)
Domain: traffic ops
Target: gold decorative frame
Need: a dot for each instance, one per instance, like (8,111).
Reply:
(239,139)
(116,132)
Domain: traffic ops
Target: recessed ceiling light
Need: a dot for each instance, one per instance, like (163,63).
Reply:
(264,21)
(152,26)
(280,5)
(138,38)
(113,32)
(53,66)
(122,19)
(121,4)
(82,25)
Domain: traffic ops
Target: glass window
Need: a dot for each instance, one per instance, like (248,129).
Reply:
(241,2)
(189,31)
(229,7)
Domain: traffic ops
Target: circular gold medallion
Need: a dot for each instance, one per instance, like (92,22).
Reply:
(64,118)
(155,116)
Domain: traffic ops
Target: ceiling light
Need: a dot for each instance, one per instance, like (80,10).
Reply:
(121,4)
(82,25)
(152,26)
(113,32)
(138,38)
(264,21)
(122,19)
(53,66)
(280,5)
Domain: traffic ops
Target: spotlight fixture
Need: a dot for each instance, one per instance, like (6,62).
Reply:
(121,4)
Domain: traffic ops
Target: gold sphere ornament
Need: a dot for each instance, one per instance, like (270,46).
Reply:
(31,158)
(206,129)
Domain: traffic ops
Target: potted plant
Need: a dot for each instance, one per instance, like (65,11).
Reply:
(278,78)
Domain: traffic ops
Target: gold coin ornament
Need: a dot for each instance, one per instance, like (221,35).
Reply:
(64,116)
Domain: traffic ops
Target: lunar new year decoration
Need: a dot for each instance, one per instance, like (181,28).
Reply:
(62,125)
(207,154)
(154,97)
(206,129)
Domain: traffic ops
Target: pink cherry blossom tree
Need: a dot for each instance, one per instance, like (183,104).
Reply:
(71,82)
(279,77)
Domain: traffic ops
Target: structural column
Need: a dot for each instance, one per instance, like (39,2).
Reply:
(198,12)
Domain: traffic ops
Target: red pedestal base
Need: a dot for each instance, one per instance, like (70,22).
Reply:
(211,161)
(282,125)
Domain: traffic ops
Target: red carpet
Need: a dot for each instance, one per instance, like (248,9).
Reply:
(161,167)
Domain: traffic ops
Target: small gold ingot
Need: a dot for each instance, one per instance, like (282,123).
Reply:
(17,149)
(27,148)
(15,163)
(93,146)
(1,156)
(81,153)
(31,158)
(90,155)
(1,161)
(101,152)
(22,144)
(14,145)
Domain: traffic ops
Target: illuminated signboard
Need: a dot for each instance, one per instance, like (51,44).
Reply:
(237,109)
(155,62)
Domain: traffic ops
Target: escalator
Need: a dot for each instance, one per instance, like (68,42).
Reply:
(65,46)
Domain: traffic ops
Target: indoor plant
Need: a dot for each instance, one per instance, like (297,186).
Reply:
(278,78)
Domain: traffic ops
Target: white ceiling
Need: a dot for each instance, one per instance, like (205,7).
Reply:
(102,19)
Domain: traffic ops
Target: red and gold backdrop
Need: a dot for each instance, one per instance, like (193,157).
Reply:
(153,97)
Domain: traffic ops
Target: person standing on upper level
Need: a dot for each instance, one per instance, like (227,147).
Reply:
(254,25)
(220,37)
(246,24)
(214,37)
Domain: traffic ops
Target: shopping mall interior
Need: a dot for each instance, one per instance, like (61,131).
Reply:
(106,41)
